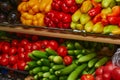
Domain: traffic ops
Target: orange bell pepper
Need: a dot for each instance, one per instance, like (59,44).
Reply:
(115,11)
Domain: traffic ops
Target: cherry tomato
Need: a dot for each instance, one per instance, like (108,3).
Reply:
(106,76)
(53,43)
(20,49)
(116,73)
(6,47)
(99,71)
(87,77)
(21,65)
(99,77)
(15,43)
(12,51)
(21,56)
(15,66)
(35,46)
(67,60)
(28,46)
(4,61)
(13,59)
(44,43)
(62,51)
(24,42)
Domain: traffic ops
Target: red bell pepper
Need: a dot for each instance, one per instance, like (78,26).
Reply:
(87,77)
(94,11)
(97,18)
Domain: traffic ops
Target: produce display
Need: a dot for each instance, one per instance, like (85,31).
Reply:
(53,59)
(47,58)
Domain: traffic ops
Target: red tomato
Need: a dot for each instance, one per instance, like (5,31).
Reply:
(38,44)
(6,47)
(67,60)
(35,46)
(20,49)
(54,44)
(24,42)
(106,76)
(28,46)
(15,66)
(109,68)
(87,77)
(21,56)
(15,43)
(13,59)
(1,44)
(12,51)
(5,55)
(116,73)
(99,71)
(62,51)
(21,65)
(99,77)
(44,43)
(4,61)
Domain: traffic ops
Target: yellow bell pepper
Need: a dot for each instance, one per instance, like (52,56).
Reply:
(45,5)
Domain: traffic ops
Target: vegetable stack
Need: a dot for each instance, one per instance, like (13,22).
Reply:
(68,62)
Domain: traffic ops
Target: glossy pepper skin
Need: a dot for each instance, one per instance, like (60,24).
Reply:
(87,77)
(94,11)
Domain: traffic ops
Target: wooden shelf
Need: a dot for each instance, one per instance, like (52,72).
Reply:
(61,35)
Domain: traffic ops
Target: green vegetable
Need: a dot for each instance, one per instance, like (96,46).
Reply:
(86,57)
(58,60)
(66,70)
(70,46)
(46,74)
(53,77)
(76,16)
(32,57)
(58,67)
(71,52)
(40,74)
(39,62)
(79,1)
(92,62)
(45,62)
(32,64)
(92,70)
(78,45)
(39,54)
(73,75)
(45,68)
(63,77)
(45,79)
(36,70)
(50,51)
(101,62)
(109,28)
(84,18)
(106,3)
(35,77)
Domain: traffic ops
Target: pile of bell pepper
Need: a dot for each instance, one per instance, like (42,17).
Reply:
(94,16)
(60,15)
(97,16)
(33,11)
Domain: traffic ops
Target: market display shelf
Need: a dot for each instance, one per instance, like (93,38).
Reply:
(11,69)
(61,33)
